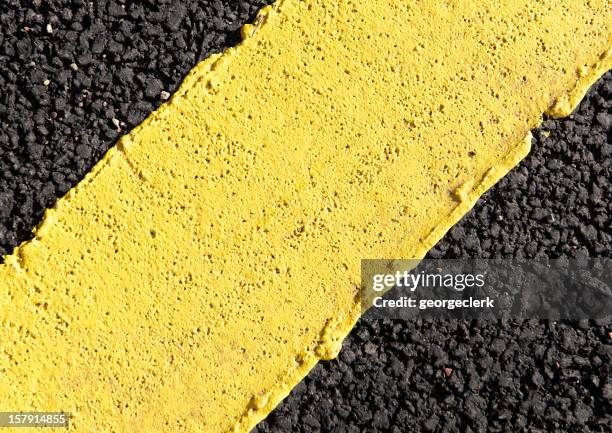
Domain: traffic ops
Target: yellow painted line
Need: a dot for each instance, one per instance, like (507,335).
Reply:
(212,257)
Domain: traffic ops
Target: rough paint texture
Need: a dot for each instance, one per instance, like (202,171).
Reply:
(215,253)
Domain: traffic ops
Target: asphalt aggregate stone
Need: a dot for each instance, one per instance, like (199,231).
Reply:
(75,75)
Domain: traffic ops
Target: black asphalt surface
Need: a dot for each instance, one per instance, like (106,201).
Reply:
(75,75)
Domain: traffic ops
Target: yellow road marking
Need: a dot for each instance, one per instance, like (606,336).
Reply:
(212,257)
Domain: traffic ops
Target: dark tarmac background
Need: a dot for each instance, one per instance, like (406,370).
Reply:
(75,75)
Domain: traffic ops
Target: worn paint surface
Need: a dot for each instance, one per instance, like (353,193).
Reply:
(212,257)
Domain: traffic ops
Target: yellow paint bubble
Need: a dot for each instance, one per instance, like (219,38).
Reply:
(212,257)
